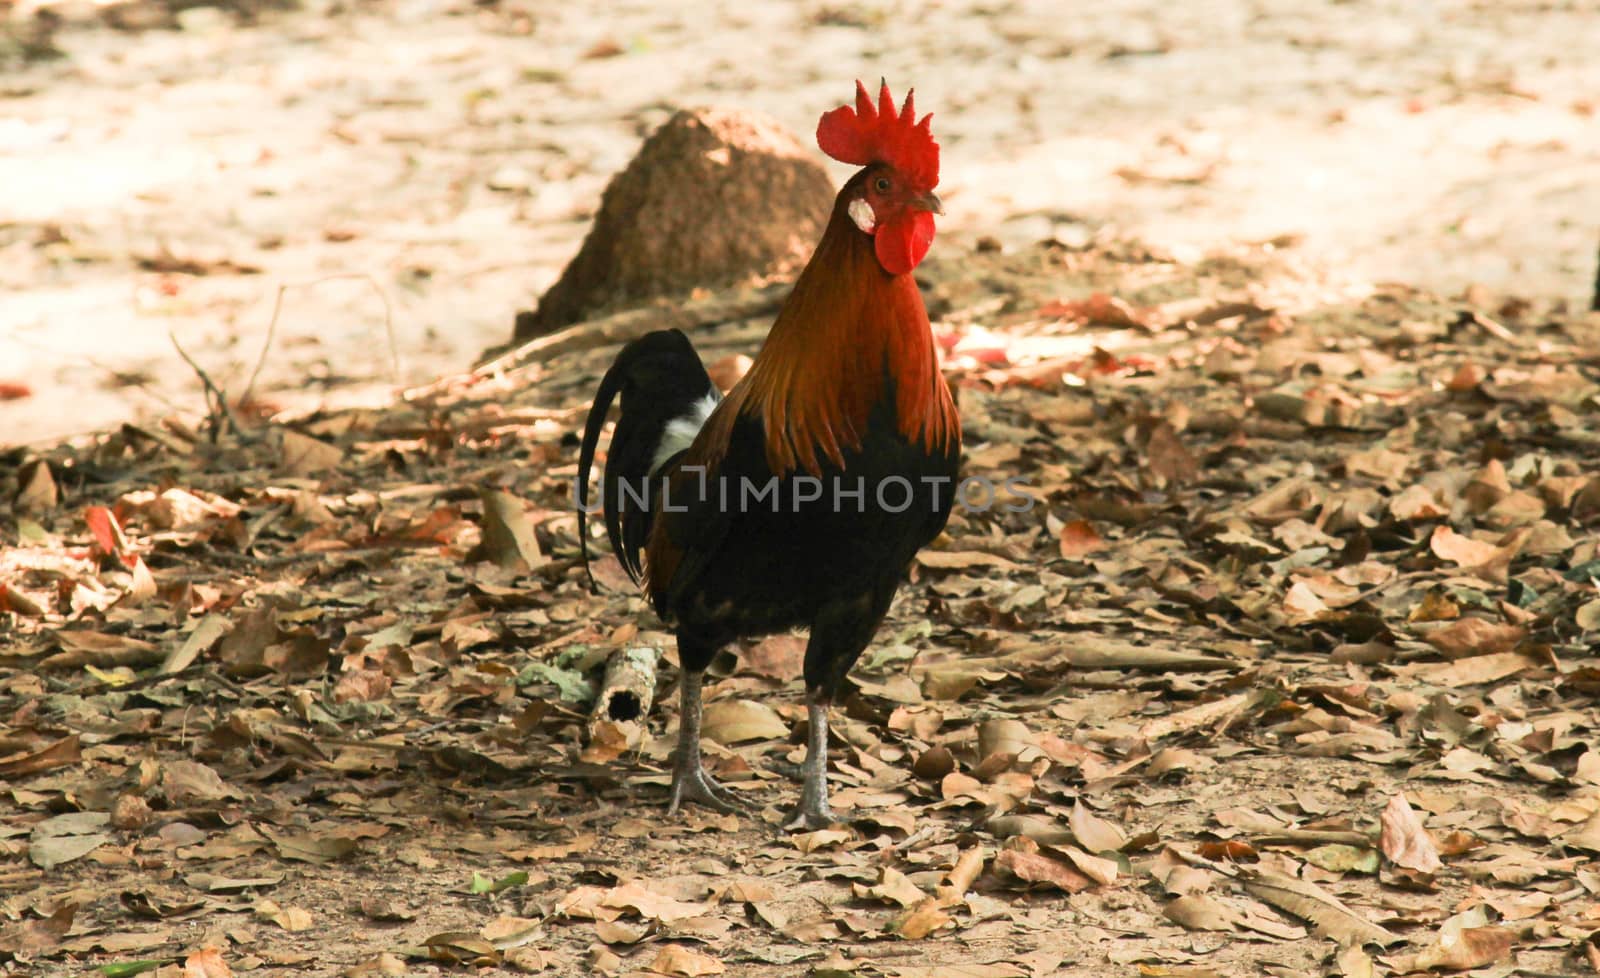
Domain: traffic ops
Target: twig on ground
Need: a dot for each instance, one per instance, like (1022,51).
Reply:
(277,309)
(198,669)
(217,409)
(618,328)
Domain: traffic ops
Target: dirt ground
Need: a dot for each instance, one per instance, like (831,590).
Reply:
(1288,671)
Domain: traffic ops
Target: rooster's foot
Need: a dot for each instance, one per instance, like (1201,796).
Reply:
(811,814)
(694,784)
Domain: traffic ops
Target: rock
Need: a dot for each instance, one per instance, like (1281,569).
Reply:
(713,198)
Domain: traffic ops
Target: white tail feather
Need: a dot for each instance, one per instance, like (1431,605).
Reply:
(681,431)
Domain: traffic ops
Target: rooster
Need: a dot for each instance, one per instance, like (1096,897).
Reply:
(800,499)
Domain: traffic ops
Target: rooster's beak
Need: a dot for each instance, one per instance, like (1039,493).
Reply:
(928,202)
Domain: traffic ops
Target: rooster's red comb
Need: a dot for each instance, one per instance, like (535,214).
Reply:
(865,134)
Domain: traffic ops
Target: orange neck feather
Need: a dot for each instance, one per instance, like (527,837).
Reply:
(846,331)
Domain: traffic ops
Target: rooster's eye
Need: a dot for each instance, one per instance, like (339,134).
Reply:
(881,185)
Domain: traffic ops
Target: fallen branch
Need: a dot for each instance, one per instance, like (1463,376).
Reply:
(617,721)
(616,329)
(217,409)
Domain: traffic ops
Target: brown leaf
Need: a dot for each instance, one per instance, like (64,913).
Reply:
(997,969)
(1099,309)
(31,938)
(1311,903)
(622,931)
(1200,912)
(308,848)
(1167,458)
(1034,867)
(964,560)
(362,686)
(737,721)
(206,634)
(1102,871)
(292,919)
(508,538)
(188,782)
(892,887)
(36,488)
(1302,605)
(1468,948)
(1093,832)
(809,842)
(51,851)
(1080,539)
(962,875)
(921,921)
(1417,503)
(302,455)
(60,753)
(682,962)
(1354,962)
(1404,840)
(1447,544)
(1587,616)
(1475,636)
(649,904)
(1472,671)
(776,656)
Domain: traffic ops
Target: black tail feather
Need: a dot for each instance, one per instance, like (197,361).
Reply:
(610,386)
(659,378)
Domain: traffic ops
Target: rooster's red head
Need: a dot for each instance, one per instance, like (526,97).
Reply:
(892,199)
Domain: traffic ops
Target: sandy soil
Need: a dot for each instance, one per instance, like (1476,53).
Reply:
(444,157)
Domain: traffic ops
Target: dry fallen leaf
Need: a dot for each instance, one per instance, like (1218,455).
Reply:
(649,904)
(508,538)
(1035,867)
(1093,832)
(1449,545)
(924,919)
(1079,539)
(738,721)
(1466,949)
(303,455)
(1403,839)
(206,963)
(1311,903)
(1354,962)
(892,887)
(1200,912)
(1475,636)
(683,962)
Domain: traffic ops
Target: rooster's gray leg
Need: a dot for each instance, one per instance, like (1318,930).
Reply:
(813,811)
(690,782)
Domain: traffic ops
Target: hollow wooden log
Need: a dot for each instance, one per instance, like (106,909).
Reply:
(617,722)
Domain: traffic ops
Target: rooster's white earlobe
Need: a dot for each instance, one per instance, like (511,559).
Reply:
(861,213)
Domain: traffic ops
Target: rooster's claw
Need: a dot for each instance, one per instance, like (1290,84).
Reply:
(812,812)
(694,784)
